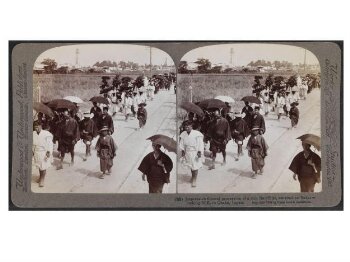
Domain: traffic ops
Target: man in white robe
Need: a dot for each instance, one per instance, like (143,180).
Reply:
(192,148)
(42,150)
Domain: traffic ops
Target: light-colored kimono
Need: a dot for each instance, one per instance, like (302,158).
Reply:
(191,144)
(127,105)
(42,143)
(281,101)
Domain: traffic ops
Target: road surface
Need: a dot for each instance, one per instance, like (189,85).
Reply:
(235,176)
(83,177)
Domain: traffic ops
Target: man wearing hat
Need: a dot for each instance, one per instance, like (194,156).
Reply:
(239,131)
(306,167)
(257,151)
(88,131)
(258,120)
(42,150)
(156,166)
(68,136)
(106,120)
(106,151)
(294,114)
(219,134)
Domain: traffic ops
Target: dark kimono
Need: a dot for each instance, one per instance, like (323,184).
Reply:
(97,113)
(106,151)
(88,130)
(156,176)
(219,133)
(307,175)
(239,130)
(294,116)
(142,116)
(248,110)
(68,135)
(257,149)
(258,120)
(106,120)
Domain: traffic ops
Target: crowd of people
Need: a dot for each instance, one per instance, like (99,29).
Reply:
(219,125)
(70,125)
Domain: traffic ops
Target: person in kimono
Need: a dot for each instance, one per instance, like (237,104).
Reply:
(294,114)
(266,100)
(105,120)
(219,134)
(247,109)
(156,167)
(142,115)
(127,106)
(135,103)
(192,150)
(68,136)
(151,90)
(239,131)
(306,167)
(257,151)
(106,151)
(88,131)
(258,120)
(96,112)
(42,150)
(289,100)
(280,103)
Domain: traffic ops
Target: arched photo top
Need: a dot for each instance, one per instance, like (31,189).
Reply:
(259,57)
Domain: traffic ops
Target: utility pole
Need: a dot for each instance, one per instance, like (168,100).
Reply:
(231,56)
(304,61)
(77,57)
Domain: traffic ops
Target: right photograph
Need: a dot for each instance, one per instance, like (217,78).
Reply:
(249,119)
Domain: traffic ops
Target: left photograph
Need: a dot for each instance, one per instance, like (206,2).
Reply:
(104,120)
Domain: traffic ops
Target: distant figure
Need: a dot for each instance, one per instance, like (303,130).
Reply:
(96,111)
(307,168)
(106,151)
(192,150)
(294,114)
(142,115)
(239,131)
(257,151)
(258,120)
(127,106)
(88,131)
(68,136)
(280,103)
(219,134)
(156,166)
(106,120)
(42,150)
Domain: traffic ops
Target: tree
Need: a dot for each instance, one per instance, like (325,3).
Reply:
(269,80)
(182,68)
(216,69)
(204,65)
(50,65)
(63,70)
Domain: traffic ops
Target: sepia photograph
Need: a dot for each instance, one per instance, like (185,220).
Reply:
(249,119)
(104,120)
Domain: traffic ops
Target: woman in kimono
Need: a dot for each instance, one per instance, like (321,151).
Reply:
(88,131)
(106,151)
(127,106)
(280,103)
(192,149)
(42,150)
(257,151)
(156,166)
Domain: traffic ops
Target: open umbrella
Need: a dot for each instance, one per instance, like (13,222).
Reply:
(99,99)
(74,99)
(226,99)
(61,104)
(212,103)
(167,142)
(311,139)
(190,107)
(251,99)
(40,107)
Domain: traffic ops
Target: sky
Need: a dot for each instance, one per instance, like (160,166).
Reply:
(89,54)
(245,53)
